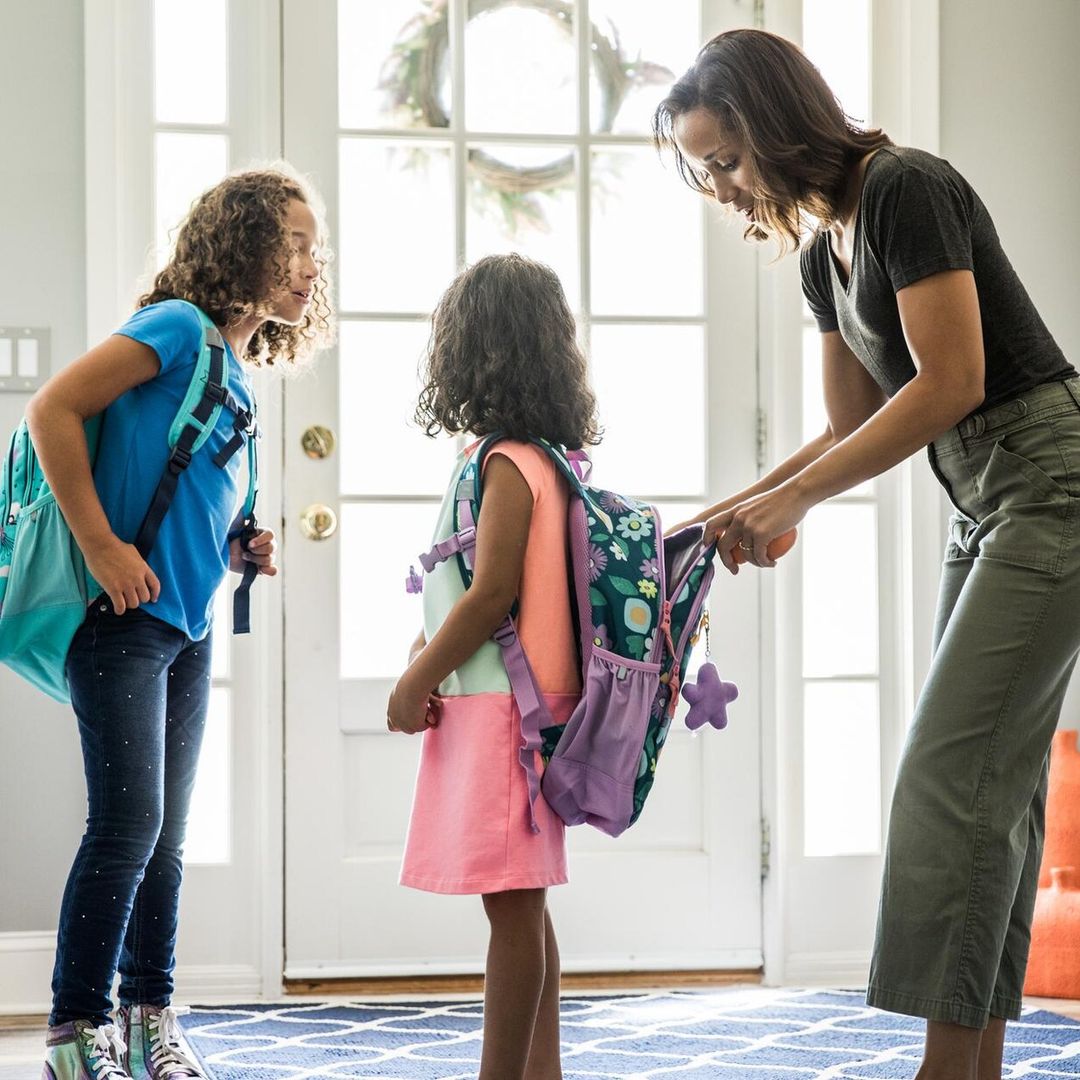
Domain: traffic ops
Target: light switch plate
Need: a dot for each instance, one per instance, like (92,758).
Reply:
(24,358)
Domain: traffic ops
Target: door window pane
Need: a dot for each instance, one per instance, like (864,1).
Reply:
(190,61)
(397,225)
(379,620)
(836,37)
(383,451)
(210,818)
(185,166)
(637,55)
(520,68)
(842,769)
(393,64)
(540,221)
(840,594)
(647,244)
(636,369)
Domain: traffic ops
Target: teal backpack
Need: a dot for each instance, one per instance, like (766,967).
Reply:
(45,587)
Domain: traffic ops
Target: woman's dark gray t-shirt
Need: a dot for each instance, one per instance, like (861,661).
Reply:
(918,216)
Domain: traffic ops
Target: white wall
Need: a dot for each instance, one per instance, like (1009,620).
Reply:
(42,283)
(1010,94)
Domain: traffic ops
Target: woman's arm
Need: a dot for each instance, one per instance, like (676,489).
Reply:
(55,416)
(851,398)
(502,534)
(940,317)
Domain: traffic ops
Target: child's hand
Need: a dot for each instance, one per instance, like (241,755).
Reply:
(260,551)
(410,710)
(121,571)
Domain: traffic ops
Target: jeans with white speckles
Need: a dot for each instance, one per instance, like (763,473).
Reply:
(140,690)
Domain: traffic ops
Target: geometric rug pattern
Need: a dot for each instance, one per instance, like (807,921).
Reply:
(751,1034)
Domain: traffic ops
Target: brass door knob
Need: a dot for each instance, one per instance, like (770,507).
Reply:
(318,522)
(318,441)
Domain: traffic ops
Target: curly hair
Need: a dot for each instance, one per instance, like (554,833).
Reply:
(232,251)
(801,144)
(503,357)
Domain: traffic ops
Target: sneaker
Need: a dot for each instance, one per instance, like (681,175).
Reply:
(156,1049)
(80,1051)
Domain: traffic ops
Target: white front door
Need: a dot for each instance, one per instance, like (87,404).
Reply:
(459,152)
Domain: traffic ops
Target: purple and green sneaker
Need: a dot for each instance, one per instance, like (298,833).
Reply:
(156,1049)
(81,1051)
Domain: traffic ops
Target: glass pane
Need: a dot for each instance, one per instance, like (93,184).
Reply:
(836,36)
(511,88)
(631,367)
(210,817)
(219,668)
(639,225)
(814,416)
(379,364)
(815,419)
(393,64)
(185,166)
(383,540)
(840,590)
(190,61)
(524,198)
(636,58)
(841,769)
(397,225)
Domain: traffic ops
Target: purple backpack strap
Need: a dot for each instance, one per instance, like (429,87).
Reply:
(530,702)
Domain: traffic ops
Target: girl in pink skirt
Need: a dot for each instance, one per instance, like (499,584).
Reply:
(503,358)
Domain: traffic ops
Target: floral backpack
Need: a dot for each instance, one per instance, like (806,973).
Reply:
(639,599)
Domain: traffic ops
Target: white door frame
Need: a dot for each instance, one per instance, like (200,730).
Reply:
(906,86)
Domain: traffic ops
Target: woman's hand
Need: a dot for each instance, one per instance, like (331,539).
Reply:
(753,523)
(123,573)
(260,552)
(411,709)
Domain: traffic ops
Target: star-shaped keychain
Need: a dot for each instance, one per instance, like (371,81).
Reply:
(709,698)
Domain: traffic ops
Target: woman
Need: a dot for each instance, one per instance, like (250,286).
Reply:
(928,339)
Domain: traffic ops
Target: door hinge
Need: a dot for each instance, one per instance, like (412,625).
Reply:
(766,849)
(762,438)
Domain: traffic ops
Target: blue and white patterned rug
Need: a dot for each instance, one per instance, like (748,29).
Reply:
(751,1034)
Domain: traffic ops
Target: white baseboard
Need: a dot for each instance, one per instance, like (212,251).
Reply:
(26,963)
(840,970)
(726,960)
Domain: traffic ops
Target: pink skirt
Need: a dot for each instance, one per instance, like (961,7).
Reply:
(469,831)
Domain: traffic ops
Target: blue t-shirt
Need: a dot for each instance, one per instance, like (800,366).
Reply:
(191,554)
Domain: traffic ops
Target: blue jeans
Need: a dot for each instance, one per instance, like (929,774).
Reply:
(140,689)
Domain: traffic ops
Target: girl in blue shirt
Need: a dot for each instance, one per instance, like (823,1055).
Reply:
(250,256)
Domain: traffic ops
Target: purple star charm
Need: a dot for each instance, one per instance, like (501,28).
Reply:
(414,583)
(709,699)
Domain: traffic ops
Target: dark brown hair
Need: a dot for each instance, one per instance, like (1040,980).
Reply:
(802,145)
(503,357)
(232,251)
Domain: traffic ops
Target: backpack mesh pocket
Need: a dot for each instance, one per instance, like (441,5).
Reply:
(592,773)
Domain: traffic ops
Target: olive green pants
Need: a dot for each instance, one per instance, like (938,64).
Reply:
(966,829)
